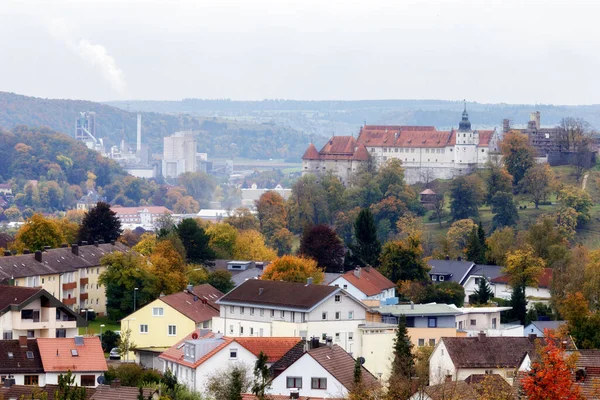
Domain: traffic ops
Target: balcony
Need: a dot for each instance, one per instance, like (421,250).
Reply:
(69,286)
(84,281)
(69,302)
(83,296)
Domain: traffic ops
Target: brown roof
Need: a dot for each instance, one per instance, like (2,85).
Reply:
(341,365)
(544,281)
(26,392)
(105,392)
(57,355)
(370,281)
(311,153)
(191,306)
(339,148)
(473,388)
(209,293)
(15,295)
(427,191)
(273,347)
(487,352)
(455,390)
(276,293)
(361,153)
(18,361)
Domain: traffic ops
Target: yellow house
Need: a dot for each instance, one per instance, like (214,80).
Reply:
(168,319)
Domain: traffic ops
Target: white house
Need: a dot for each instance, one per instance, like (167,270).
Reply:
(539,328)
(456,358)
(366,284)
(196,358)
(321,371)
(275,308)
(474,320)
(541,293)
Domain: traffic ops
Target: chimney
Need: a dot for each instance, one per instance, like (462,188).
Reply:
(314,342)
(481,336)
(505,125)
(115,383)
(459,258)
(447,258)
(532,337)
(357,272)
(23,341)
(309,281)
(139,133)
(75,249)
(26,251)
(64,246)
(38,256)
(368,268)
(46,248)
(412,305)
(190,288)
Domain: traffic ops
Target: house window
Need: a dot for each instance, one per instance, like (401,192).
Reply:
(345,286)
(32,380)
(272,313)
(293,382)
(350,314)
(318,383)
(432,322)
(262,312)
(172,330)
(251,310)
(338,315)
(493,323)
(433,277)
(421,342)
(241,330)
(489,372)
(143,328)
(441,278)
(231,309)
(432,342)
(158,311)
(231,329)
(7,335)
(242,309)
(410,322)
(61,333)
(350,335)
(338,298)
(31,334)
(88,380)
(477,281)
(337,336)
(251,331)
(473,322)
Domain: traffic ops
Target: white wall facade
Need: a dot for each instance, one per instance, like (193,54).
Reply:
(533,294)
(357,293)
(52,377)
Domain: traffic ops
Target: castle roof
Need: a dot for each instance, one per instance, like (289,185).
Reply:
(311,153)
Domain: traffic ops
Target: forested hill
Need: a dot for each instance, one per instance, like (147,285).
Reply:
(220,138)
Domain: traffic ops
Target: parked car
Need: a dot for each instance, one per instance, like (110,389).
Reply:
(114,354)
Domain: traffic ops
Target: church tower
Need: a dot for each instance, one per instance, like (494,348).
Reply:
(466,141)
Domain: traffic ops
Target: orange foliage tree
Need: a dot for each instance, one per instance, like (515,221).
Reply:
(551,377)
(293,269)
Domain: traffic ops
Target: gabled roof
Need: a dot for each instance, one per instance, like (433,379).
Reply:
(209,293)
(311,153)
(473,387)
(552,325)
(26,392)
(340,364)
(544,281)
(458,270)
(369,281)
(361,153)
(487,352)
(105,392)
(191,306)
(175,352)
(427,192)
(273,347)
(488,271)
(18,360)
(57,354)
(276,293)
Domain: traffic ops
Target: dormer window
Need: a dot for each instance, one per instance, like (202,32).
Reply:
(433,277)
(441,278)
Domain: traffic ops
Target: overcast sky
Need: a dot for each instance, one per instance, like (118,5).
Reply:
(487,51)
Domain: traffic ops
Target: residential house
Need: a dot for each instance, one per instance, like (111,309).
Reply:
(587,373)
(163,322)
(426,324)
(455,358)
(90,200)
(69,274)
(478,272)
(276,308)
(539,328)
(474,387)
(252,194)
(118,392)
(201,354)
(144,216)
(366,284)
(20,360)
(319,371)
(34,313)
(539,294)
(474,320)
(450,270)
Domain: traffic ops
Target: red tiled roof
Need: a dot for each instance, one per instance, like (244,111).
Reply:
(370,281)
(544,281)
(105,392)
(209,293)
(191,306)
(427,191)
(311,153)
(361,153)
(273,347)
(338,148)
(485,137)
(57,356)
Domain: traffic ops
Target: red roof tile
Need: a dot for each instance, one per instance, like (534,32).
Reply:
(57,354)
(191,306)
(544,281)
(370,281)
(311,153)
(273,347)
(361,153)
(105,392)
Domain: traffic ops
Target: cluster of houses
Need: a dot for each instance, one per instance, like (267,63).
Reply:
(311,333)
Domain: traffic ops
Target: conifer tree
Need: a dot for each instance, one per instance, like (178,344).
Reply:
(403,365)
(100,223)
(483,293)
(367,248)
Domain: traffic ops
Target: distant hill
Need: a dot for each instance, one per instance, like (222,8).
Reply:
(219,138)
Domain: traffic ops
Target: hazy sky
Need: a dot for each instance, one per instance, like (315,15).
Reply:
(487,51)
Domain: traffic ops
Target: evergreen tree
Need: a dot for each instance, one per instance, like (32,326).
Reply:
(367,248)
(466,195)
(261,377)
(196,242)
(475,252)
(504,209)
(100,223)
(483,293)
(403,364)
(518,302)
(357,373)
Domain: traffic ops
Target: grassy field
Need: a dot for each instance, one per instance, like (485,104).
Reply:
(94,326)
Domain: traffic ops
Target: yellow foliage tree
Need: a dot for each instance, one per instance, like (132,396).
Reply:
(523,267)
(458,234)
(293,269)
(38,232)
(250,245)
(168,267)
(146,244)
(222,239)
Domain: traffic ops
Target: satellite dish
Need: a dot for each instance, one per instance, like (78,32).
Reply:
(194,336)
(361,360)
(100,380)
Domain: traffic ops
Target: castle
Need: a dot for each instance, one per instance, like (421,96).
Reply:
(425,152)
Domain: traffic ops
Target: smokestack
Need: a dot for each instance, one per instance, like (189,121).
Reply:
(139,133)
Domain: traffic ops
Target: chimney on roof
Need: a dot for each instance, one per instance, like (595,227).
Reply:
(23,341)
(532,337)
(459,258)
(368,268)
(357,272)
(309,281)
(481,336)
(38,256)
(412,305)
(46,248)
(64,246)
(314,342)
(26,251)
(75,249)
(261,290)
(115,383)
(190,288)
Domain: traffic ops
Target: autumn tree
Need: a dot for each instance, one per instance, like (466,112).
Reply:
(38,232)
(497,180)
(250,245)
(538,183)
(545,238)
(403,260)
(322,244)
(518,154)
(195,241)
(504,210)
(523,267)
(168,266)
(220,280)
(467,196)
(390,178)
(222,239)
(242,219)
(198,185)
(272,214)
(293,269)
(574,135)
(146,244)
(307,204)
(577,199)
(100,223)
(367,248)
(439,205)
(458,234)
(229,383)
(282,241)
(551,377)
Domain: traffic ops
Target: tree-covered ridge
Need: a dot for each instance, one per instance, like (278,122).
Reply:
(219,138)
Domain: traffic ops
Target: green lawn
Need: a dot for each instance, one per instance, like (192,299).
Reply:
(94,326)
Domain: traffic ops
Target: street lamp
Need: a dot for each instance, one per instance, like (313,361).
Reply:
(134,296)
(101,328)
(86,310)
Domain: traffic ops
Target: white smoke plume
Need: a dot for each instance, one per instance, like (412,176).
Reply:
(94,54)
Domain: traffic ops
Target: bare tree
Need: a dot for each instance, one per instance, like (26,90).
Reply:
(574,135)
(438,207)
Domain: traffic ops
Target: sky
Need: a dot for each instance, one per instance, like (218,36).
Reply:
(488,51)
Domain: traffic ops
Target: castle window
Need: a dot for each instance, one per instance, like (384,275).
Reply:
(426,150)
(396,149)
(483,150)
